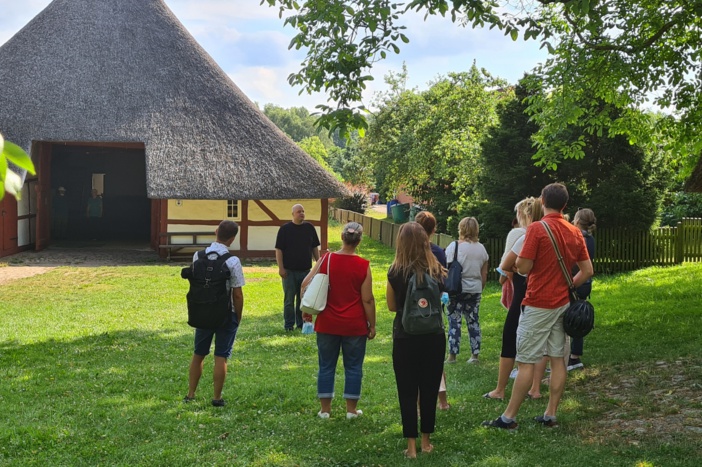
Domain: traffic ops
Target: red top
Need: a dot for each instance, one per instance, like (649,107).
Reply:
(546,287)
(344,314)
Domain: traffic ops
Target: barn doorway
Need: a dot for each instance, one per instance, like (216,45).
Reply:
(98,192)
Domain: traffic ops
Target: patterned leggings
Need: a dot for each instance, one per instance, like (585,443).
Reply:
(468,305)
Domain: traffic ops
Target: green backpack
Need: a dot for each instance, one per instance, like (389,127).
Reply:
(422,311)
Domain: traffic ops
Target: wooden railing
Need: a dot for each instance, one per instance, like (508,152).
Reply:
(617,250)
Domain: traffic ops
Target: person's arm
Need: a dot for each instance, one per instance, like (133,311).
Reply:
(483,273)
(369,302)
(279,260)
(390,298)
(308,278)
(508,262)
(585,273)
(238,302)
(524,265)
(315,253)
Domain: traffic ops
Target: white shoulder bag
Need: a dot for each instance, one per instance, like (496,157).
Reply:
(315,298)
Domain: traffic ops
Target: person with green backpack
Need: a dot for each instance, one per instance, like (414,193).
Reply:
(415,280)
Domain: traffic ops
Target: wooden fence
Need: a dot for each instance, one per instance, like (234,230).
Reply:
(617,250)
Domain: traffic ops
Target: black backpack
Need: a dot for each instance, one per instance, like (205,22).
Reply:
(421,313)
(209,302)
(454,279)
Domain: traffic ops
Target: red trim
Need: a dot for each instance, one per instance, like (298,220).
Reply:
(266,210)
(244,226)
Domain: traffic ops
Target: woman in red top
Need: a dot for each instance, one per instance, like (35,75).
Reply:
(346,323)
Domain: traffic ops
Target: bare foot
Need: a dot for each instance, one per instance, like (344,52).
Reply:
(410,455)
(428,448)
(444,406)
(536,395)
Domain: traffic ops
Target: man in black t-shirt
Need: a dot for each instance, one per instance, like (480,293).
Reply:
(297,243)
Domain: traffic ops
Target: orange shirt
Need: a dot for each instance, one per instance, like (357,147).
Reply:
(546,285)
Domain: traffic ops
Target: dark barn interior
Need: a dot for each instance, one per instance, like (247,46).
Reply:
(119,175)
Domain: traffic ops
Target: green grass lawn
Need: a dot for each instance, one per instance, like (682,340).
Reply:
(93,367)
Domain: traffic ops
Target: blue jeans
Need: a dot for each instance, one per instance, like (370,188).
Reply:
(468,305)
(353,349)
(291,304)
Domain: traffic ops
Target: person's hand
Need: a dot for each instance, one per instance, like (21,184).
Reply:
(282,273)
(307,317)
(371,333)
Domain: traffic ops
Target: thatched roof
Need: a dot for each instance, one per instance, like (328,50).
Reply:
(128,71)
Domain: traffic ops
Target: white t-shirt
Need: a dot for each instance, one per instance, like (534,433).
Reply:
(517,248)
(512,237)
(472,256)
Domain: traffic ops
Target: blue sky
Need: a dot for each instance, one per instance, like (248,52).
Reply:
(249,42)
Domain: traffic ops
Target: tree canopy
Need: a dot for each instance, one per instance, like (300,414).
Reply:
(625,53)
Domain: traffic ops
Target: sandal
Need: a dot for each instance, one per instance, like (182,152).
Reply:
(488,396)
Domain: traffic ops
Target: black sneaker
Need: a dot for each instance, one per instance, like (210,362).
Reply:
(547,423)
(498,423)
(574,364)
(219,402)
(187,399)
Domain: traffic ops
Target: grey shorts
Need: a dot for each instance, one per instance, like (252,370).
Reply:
(540,333)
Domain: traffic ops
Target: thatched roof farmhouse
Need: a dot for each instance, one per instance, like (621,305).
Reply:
(127,71)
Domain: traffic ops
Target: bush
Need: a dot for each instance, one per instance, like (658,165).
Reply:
(356,201)
(681,205)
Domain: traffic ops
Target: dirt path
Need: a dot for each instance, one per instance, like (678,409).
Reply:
(88,254)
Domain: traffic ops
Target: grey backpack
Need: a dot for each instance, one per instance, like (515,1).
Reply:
(422,311)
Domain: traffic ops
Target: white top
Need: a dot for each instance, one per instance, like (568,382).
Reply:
(517,248)
(233,263)
(512,237)
(472,256)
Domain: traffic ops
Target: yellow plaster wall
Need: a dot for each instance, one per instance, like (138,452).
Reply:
(197,209)
(282,208)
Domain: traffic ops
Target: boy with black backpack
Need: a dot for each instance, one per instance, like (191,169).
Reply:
(215,304)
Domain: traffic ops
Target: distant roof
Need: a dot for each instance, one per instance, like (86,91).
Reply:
(127,71)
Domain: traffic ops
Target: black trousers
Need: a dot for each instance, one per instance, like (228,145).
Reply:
(418,362)
(509,330)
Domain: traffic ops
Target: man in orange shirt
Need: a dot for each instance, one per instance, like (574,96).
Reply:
(547,298)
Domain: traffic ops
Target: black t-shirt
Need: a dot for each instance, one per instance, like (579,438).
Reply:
(399,286)
(297,242)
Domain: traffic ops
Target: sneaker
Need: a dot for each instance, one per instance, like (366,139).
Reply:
(547,423)
(323,415)
(498,423)
(351,415)
(574,364)
(219,402)
(513,374)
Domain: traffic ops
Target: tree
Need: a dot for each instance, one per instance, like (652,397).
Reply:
(622,183)
(428,143)
(622,52)
(10,180)
(297,123)
(314,147)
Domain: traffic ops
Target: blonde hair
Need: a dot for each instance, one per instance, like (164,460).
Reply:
(413,255)
(537,210)
(524,209)
(468,229)
(585,220)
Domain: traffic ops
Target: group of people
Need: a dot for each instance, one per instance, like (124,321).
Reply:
(533,330)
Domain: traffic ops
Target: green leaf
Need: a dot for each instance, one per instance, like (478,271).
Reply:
(514,34)
(3,167)
(17,156)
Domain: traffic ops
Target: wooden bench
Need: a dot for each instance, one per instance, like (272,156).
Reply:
(175,249)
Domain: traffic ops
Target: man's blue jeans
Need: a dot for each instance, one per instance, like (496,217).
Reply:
(291,305)
(353,349)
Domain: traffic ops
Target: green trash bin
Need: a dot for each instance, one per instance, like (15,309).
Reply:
(414,210)
(400,213)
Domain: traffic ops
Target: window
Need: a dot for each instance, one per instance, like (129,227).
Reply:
(233,209)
